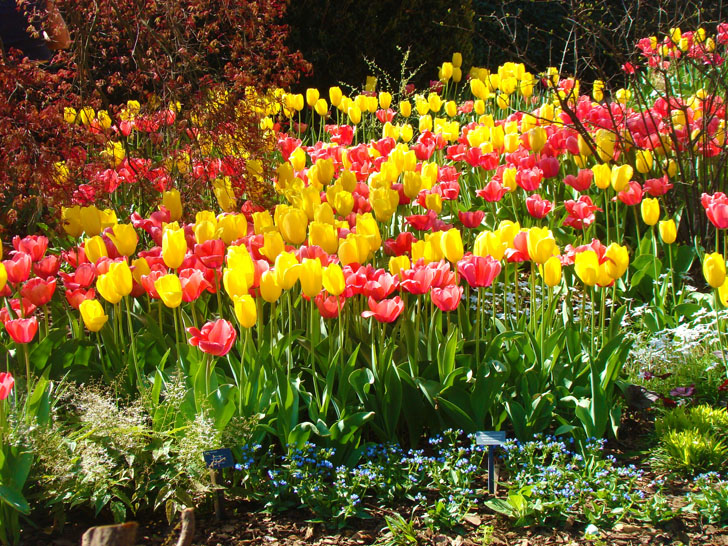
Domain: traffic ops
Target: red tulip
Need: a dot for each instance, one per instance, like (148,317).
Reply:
(549,166)
(421,222)
(582,181)
(493,191)
(211,253)
(330,306)
(442,275)
(33,245)
(381,286)
(537,206)
(471,219)
(38,291)
(47,267)
(7,382)
(448,298)
(479,271)
(417,281)
(657,186)
(78,295)
(718,214)
(632,195)
(385,310)
(193,284)
(215,338)
(18,267)
(22,330)
(519,252)
(529,179)
(27,309)
(399,246)
(581,212)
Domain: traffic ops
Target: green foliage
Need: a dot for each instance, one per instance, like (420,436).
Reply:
(551,483)
(99,453)
(689,452)
(703,419)
(709,499)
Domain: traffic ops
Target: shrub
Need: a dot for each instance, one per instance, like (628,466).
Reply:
(689,452)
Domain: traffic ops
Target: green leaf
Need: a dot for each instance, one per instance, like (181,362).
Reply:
(15,499)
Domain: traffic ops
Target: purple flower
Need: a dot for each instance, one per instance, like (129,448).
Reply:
(683,391)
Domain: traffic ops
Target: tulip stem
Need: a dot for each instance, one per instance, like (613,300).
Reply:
(27,367)
(45,319)
(606,214)
(477,327)
(655,284)
(139,373)
(716,304)
(591,312)
(176,331)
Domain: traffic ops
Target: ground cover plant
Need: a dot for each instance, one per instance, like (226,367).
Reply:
(337,278)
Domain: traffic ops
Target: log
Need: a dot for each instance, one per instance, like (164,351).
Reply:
(187,531)
(111,535)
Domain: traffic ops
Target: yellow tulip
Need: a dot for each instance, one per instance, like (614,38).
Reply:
(650,209)
(172,201)
(643,161)
(586,265)
(541,244)
(107,288)
(714,269)
(174,247)
(95,248)
(71,218)
(287,270)
(273,245)
(245,310)
(668,231)
(169,289)
(551,271)
(312,95)
(231,227)
(323,235)
(451,244)
(92,313)
(335,96)
(398,264)
(621,175)
(602,176)
(293,225)
(617,260)
(405,108)
(321,107)
(333,279)
(270,290)
(385,99)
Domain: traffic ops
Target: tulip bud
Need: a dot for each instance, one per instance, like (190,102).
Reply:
(446,72)
(714,269)
(169,289)
(174,247)
(335,96)
(551,271)
(621,175)
(405,108)
(172,201)
(93,315)
(312,95)
(617,260)
(246,311)
(586,265)
(270,290)
(451,244)
(650,209)
(333,279)
(668,231)
(95,248)
(541,244)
